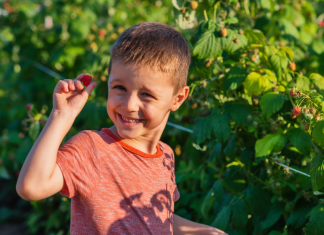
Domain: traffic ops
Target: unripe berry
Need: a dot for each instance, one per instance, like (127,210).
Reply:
(292,92)
(318,117)
(240,32)
(183,10)
(208,63)
(223,32)
(292,66)
(236,40)
(255,101)
(194,5)
(312,111)
(253,59)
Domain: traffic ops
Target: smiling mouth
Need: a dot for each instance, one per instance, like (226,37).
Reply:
(130,120)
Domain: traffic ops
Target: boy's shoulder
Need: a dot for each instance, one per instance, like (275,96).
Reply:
(166,148)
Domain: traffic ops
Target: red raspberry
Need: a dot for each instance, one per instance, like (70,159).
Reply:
(321,23)
(102,32)
(29,106)
(296,110)
(86,80)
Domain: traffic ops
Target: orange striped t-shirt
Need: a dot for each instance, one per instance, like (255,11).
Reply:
(115,188)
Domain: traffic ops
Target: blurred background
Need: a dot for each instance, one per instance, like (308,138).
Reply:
(44,41)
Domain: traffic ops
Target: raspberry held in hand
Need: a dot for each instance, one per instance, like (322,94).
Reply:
(86,80)
(296,110)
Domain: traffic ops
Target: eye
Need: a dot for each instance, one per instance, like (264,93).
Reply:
(120,87)
(146,94)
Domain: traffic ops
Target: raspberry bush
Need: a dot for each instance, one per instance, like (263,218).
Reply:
(256,101)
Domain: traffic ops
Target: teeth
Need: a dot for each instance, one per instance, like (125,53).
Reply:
(129,120)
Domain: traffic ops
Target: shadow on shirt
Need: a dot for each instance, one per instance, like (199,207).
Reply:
(142,219)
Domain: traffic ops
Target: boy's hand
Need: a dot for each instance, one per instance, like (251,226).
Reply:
(68,97)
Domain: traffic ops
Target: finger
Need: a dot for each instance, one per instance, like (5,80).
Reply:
(78,84)
(63,86)
(70,83)
(80,77)
(87,91)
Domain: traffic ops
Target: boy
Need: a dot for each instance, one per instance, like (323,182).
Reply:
(120,179)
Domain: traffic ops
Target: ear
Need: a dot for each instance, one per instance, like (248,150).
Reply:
(179,98)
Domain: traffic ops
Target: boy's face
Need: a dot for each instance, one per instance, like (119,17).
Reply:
(140,100)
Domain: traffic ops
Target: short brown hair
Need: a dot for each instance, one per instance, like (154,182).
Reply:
(156,45)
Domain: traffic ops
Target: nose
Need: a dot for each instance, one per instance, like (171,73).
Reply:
(131,103)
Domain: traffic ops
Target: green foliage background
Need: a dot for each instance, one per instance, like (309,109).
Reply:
(239,106)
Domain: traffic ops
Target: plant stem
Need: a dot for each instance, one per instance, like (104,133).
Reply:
(205,14)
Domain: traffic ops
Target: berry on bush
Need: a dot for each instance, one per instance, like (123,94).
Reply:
(223,32)
(86,80)
(236,40)
(312,111)
(318,117)
(29,106)
(292,66)
(194,5)
(240,32)
(306,127)
(296,110)
(183,10)
(292,92)
(102,32)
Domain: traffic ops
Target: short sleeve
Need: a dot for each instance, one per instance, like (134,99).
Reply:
(80,165)
(176,194)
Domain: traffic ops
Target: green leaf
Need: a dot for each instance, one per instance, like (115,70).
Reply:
(201,130)
(216,193)
(4,174)
(240,213)
(230,148)
(234,78)
(288,28)
(316,218)
(270,143)
(258,200)
(231,20)
(222,218)
(273,215)
(303,83)
(276,65)
(254,35)
(298,217)
(271,103)
(300,139)
(239,112)
(231,47)
(318,133)
(318,80)
(216,153)
(221,127)
(289,52)
(317,172)
(34,130)
(254,84)
(198,68)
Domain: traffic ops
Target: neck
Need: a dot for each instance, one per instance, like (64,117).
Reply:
(146,143)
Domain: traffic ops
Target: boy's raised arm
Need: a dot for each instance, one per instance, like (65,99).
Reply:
(40,176)
(183,226)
